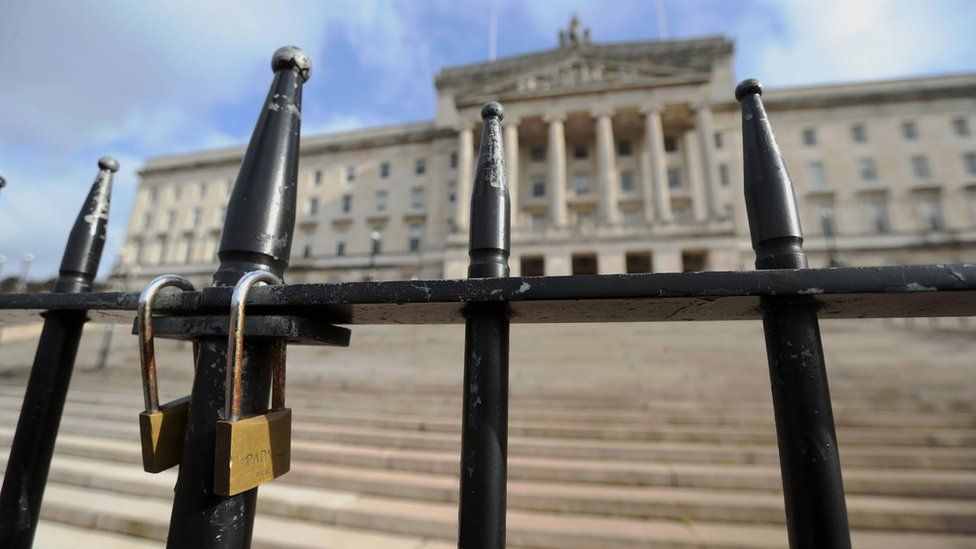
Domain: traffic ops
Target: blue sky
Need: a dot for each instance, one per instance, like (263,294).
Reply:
(79,80)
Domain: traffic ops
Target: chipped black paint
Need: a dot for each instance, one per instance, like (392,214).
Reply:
(484,415)
(816,511)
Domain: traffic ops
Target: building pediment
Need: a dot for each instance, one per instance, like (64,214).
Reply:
(578,73)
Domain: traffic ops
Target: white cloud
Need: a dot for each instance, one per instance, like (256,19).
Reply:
(840,40)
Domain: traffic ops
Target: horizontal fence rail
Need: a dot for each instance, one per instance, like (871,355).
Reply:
(851,292)
(789,298)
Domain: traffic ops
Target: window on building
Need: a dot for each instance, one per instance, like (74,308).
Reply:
(929,209)
(341,248)
(177,192)
(420,166)
(909,130)
(385,170)
(538,185)
(151,195)
(631,215)
(318,178)
(809,137)
(627,181)
(823,211)
(307,251)
(920,166)
(417,198)
(581,151)
(859,134)
(197,217)
(877,213)
(625,147)
(674,178)
(454,159)
(971,201)
(413,238)
(203,190)
(681,210)
(960,126)
(188,250)
(585,219)
(816,174)
(147,220)
(313,205)
(694,261)
(376,241)
(350,174)
(969,162)
(719,140)
(723,175)
(670,143)
(532,265)
(381,201)
(346,203)
(537,153)
(584,264)
(867,169)
(171,219)
(163,251)
(538,221)
(452,192)
(638,262)
(581,184)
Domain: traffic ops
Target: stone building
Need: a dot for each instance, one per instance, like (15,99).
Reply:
(622,157)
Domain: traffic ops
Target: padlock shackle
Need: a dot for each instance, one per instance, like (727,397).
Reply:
(235,344)
(144,323)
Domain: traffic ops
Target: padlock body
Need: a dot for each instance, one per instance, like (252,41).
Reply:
(251,451)
(162,435)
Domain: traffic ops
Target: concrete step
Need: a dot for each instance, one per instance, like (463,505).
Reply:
(145,517)
(52,535)
(924,437)
(884,457)
(105,505)
(678,412)
(743,507)
(857,481)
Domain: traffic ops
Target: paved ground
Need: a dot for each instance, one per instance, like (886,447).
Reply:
(624,435)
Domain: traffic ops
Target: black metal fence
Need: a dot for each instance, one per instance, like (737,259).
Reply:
(788,297)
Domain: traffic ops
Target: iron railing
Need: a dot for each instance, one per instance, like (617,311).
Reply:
(787,296)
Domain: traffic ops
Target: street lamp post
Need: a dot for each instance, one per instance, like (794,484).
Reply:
(374,241)
(25,263)
(827,222)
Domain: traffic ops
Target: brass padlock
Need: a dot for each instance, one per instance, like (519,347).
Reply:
(256,448)
(162,427)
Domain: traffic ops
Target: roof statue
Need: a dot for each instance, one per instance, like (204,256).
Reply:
(571,37)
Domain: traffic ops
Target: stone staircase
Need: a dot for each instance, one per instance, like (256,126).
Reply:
(375,464)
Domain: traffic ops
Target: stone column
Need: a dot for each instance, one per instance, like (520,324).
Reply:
(606,167)
(512,166)
(706,139)
(654,170)
(465,177)
(557,170)
(696,185)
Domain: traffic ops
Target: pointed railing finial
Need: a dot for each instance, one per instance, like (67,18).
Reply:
(774,221)
(260,218)
(79,265)
(489,243)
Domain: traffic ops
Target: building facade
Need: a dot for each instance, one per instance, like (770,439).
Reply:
(621,157)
